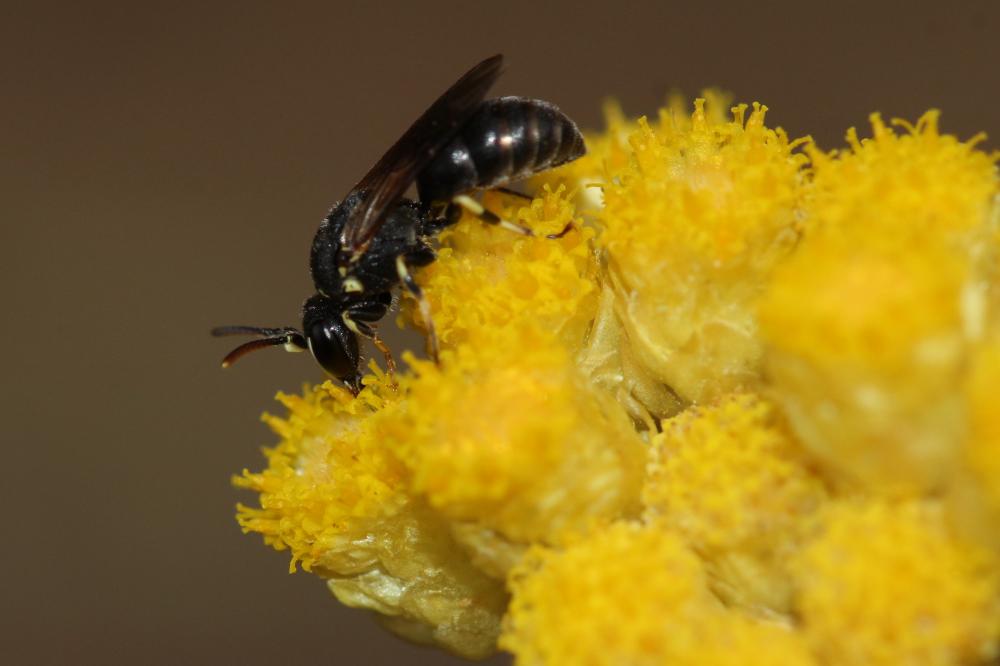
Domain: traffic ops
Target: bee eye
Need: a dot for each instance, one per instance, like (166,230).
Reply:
(335,348)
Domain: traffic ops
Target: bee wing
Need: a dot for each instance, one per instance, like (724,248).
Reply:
(385,183)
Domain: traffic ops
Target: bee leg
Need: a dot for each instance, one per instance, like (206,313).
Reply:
(425,307)
(390,362)
(365,313)
(420,255)
(438,217)
(466,202)
(432,227)
(515,193)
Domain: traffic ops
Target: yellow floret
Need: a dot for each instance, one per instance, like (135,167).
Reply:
(905,184)
(631,595)
(514,439)
(885,583)
(732,481)
(607,152)
(693,227)
(867,326)
(336,496)
(488,278)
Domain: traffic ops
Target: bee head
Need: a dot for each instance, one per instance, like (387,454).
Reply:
(330,341)
(324,334)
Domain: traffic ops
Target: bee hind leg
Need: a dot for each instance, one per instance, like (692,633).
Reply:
(465,202)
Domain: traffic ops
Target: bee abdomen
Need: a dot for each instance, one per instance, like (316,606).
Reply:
(507,139)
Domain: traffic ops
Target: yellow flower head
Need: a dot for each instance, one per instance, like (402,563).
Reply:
(883,267)
(885,583)
(867,323)
(328,477)
(692,227)
(731,480)
(488,280)
(335,494)
(515,439)
(630,595)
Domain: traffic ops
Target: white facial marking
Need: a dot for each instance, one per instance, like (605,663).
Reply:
(350,323)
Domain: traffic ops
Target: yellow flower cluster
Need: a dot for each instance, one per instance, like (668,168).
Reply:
(743,412)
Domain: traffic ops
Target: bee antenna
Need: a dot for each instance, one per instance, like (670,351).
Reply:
(220,331)
(292,339)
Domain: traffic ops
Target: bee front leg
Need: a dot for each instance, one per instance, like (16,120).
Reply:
(390,362)
(358,319)
(425,307)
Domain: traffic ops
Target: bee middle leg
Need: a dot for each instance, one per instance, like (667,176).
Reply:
(406,278)
(465,202)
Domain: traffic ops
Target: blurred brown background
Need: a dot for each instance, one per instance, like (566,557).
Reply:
(163,170)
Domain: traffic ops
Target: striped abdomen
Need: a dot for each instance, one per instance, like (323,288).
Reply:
(508,138)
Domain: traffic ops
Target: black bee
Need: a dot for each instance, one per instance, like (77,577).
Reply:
(370,242)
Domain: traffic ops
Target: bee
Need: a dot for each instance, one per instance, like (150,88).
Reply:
(369,244)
